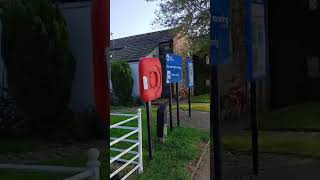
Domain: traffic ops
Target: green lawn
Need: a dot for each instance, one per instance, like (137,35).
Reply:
(205,98)
(24,146)
(304,117)
(196,106)
(293,143)
(299,117)
(14,175)
(170,160)
(19,146)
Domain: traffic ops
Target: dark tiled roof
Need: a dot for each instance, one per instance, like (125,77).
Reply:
(149,38)
(132,53)
(135,47)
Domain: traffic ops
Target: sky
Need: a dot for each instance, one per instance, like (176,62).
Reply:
(132,17)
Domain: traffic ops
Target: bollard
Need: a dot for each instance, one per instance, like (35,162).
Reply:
(162,122)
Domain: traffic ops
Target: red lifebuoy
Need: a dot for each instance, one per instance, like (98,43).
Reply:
(150,79)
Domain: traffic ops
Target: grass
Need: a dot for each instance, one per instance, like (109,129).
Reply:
(170,159)
(298,117)
(301,117)
(18,146)
(293,143)
(24,146)
(78,160)
(14,175)
(205,98)
(198,103)
(196,106)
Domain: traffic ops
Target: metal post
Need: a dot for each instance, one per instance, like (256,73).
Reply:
(189,101)
(215,134)
(149,124)
(140,142)
(254,129)
(170,105)
(177,99)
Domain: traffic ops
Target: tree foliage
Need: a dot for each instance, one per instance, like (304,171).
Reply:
(40,65)
(122,82)
(190,17)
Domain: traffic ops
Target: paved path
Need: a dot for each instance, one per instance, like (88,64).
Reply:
(237,166)
(203,173)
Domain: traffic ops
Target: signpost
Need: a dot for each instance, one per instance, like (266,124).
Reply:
(257,63)
(190,81)
(220,50)
(174,75)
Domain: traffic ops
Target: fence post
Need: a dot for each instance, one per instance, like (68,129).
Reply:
(93,163)
(140,141)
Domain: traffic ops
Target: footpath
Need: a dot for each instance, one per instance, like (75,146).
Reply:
(237,165)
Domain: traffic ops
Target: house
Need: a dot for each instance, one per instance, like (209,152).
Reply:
(77,14)
(154,44)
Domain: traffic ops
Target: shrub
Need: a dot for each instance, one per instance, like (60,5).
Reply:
(122,82)
(40,65)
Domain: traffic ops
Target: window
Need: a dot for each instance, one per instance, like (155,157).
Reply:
(313,63)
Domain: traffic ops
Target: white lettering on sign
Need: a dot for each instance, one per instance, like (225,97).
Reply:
(169,58)
(145,83)
(173,67)
(221,20)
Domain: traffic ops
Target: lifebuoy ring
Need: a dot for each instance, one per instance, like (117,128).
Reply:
(150,79)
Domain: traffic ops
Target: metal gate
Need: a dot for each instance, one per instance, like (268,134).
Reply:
(137,159)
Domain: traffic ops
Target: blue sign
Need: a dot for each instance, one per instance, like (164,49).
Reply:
(220,34)
(257,39)
(190,74)
(174,68)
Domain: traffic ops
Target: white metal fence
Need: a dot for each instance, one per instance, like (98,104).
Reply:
(137,159)
(90,172)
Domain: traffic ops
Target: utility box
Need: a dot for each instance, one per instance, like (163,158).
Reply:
(162,122)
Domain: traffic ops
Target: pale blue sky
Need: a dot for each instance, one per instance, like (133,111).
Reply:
(132,17)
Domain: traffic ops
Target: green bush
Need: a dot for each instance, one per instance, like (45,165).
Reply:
(40,65)
(122,82)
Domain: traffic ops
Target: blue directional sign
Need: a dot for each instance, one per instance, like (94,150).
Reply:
(190,74)
(257,39)
(174,68)
(220,34)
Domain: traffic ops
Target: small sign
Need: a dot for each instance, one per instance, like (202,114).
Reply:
(220,33)
(190,74)
(174,68)
(257,40)
(145,83)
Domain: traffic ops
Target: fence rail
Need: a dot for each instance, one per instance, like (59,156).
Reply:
(137,159)
(91,171)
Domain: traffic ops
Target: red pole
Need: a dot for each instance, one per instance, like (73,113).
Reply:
(100,42)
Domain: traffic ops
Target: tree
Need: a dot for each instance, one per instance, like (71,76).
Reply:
(190,17)
(122,82)
(40,65)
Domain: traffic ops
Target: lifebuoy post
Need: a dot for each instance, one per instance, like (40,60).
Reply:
(174,75)
(150,86)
